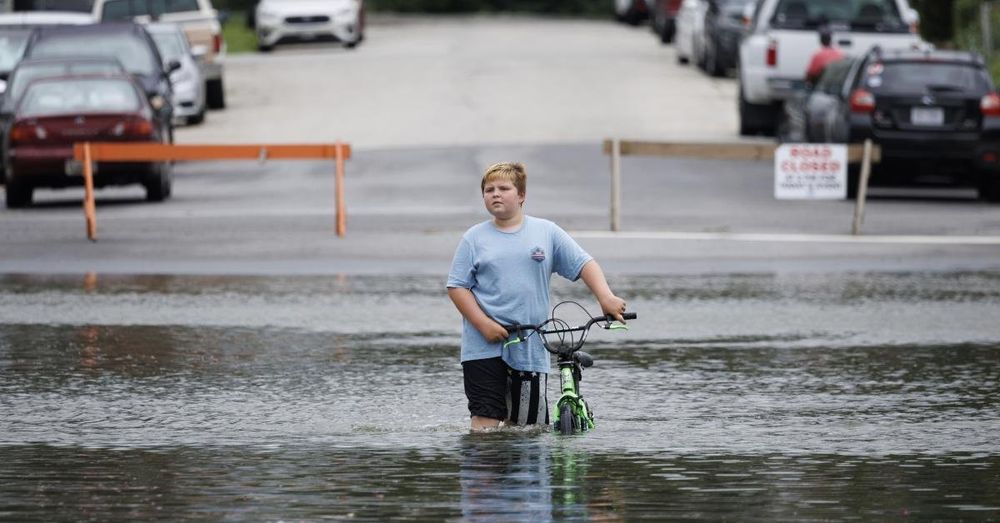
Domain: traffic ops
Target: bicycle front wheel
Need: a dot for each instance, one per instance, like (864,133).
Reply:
(565,419)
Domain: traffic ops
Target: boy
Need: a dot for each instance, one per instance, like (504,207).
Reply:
(500,276)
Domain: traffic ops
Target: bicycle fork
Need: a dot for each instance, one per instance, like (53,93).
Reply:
(569,383)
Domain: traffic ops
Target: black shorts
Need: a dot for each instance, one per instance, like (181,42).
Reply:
(499,392)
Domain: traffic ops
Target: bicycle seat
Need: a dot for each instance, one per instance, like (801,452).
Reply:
(585,360)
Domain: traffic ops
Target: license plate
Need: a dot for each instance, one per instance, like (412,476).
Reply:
(928,116)
(75,168)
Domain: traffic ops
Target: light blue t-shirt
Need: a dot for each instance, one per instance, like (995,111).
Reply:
(509,274)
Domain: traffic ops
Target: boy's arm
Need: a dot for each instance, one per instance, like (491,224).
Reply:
(466,304)
(593,276)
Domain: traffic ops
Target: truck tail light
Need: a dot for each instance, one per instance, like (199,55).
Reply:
(217,44)
(990,105)
(772,53)
(862,101)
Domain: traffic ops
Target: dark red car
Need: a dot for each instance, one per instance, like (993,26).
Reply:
(55,113)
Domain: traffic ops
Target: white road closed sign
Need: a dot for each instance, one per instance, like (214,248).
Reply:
(810,171)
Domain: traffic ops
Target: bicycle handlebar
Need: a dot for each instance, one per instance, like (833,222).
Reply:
(517,329)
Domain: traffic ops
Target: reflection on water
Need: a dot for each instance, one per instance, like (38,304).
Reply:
(743,397)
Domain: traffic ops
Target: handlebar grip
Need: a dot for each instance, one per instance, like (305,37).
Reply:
(625,315)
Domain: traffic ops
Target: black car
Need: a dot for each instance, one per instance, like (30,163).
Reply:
(935,114)
(127,42)
(723,29)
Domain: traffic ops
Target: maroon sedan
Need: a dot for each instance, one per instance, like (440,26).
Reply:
(55,113)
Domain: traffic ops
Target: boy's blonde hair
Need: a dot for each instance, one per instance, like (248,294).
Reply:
(508,171)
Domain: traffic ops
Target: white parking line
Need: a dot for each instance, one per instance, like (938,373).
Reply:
(796,238)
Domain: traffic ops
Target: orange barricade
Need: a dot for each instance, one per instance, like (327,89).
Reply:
(89,152)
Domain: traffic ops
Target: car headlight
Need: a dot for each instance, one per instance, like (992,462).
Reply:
(267,16)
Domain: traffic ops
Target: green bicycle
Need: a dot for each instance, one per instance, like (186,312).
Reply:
(571,413)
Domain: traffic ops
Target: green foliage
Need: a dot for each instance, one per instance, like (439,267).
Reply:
(239,38)
(937,22)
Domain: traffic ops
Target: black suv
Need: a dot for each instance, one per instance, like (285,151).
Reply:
(127,42)
(935,114)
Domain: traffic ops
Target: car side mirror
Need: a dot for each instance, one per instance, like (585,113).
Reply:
(199,52)
(173,65)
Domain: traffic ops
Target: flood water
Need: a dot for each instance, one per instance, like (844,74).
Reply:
(764,397)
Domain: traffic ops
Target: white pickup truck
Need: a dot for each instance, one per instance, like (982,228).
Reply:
(784,34)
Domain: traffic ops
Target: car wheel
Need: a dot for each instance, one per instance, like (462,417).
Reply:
(712,65)
(667,35)
(757,118)
(198,118)
(853,180)
(265,48)
(159,182)
(989,187)
(19,193)
(215,94)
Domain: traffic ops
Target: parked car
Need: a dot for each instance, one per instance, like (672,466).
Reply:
(663,18)
(201,25)
(631,11)
(127,42)
(186,81)
(723,28)
(935,114)
(280,21)
(688,41)
(16,28)
(55,113)
(783,37)
(29,69)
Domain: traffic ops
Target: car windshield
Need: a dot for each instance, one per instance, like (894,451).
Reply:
(76,96)
(12,43)
(926,77)
(25,74)
(133,54)
(128,9)
(170,45)
(855,15)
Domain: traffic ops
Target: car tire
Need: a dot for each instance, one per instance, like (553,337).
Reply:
(18,193)
(667,33)
(755,118)
(712,65)
(989,187)
(853,181)
(198,118)
(159,183)
(215,94)
(265,48)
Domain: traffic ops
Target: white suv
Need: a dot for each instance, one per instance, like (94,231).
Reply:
(784,34)
(200,22)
